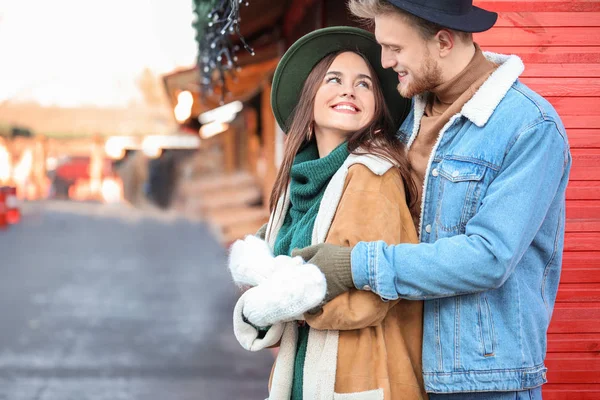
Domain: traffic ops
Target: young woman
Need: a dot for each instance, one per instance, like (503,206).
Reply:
(344,179)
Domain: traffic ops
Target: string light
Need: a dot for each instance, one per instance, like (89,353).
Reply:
(216,22)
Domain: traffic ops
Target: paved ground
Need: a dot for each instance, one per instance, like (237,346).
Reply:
(97,302)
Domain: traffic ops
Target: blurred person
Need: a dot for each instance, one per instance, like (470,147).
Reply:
(344,179)
(96,166)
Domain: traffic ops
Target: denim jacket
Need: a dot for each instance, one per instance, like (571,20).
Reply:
(491,232)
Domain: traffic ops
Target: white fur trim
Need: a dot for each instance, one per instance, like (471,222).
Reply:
(483,103)
(321,355)
(420,102)
(276,219)
(283,374)
(247,335)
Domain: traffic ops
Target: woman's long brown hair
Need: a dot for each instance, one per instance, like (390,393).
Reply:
(378,137)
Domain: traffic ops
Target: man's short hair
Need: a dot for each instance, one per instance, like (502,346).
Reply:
(368,9)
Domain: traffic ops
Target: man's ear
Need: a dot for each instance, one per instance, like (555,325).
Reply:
(445,42)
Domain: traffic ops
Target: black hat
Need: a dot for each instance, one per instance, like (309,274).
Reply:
(459,15)
(300,59)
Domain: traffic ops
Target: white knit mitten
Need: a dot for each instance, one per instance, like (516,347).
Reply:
(250,261)
(292,290)
(249,336)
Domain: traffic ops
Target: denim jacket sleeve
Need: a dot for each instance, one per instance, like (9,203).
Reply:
(534,172)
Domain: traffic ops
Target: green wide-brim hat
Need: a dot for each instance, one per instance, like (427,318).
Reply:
(295,66)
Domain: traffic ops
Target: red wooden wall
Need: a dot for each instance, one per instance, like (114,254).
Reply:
(559,41)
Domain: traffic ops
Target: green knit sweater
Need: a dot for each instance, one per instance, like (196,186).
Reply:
(309,176)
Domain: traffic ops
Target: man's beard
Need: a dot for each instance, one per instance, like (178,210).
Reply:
(430,76)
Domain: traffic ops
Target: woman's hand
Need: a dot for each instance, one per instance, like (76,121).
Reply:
(250,261)
(293,289)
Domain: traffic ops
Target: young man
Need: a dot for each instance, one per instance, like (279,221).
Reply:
(491,160)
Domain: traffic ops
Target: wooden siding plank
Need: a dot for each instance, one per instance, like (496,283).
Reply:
(549,37)
(563,391)
(578,293)
(580,275)
(573,342)
(574,326)
(583,225)
(573,361)
(582,209)
(573,367)
(578,259)
(586,164)
(545,19)
(557,373)
(576,105)
(580,121)
(574,87)
(561,70)
(544,54)
(581,241)
(582,172)
(584,138)
(539,5)
(583,190)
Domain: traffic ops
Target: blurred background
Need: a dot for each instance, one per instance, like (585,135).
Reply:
(137,142)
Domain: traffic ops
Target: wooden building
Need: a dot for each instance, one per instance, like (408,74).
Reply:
(559,41)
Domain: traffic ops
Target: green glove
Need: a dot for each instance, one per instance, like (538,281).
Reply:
(334,263)
(262,232)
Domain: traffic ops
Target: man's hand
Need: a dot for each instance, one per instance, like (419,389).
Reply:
(334,263)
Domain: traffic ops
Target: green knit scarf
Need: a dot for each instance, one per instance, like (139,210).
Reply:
(309,176)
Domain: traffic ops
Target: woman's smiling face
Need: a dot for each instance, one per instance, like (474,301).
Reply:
(345,102)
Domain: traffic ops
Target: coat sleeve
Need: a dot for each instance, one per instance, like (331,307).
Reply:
(372,208)
(530,184)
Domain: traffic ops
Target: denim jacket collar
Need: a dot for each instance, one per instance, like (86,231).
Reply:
(480,108)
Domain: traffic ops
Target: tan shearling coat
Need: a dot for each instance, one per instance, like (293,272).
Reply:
(359,347)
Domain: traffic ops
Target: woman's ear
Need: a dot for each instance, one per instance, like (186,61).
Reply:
(311,130)
(445,42)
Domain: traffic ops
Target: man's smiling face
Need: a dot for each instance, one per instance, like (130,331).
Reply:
(405,51)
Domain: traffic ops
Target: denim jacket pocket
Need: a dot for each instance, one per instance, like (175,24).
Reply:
(460,190)
(486,326)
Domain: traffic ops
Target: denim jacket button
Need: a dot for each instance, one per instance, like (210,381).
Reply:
(428,229)
(435,172)
(455,174)
(367,288)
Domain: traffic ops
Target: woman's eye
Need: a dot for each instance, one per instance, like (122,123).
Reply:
(334,79)
(364,84)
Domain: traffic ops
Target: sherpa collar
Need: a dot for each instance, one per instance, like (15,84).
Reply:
(482,105)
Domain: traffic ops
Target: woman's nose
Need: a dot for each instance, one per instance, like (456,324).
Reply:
(348,92)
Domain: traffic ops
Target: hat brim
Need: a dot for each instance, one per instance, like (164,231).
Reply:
(476,20)
(297,63)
